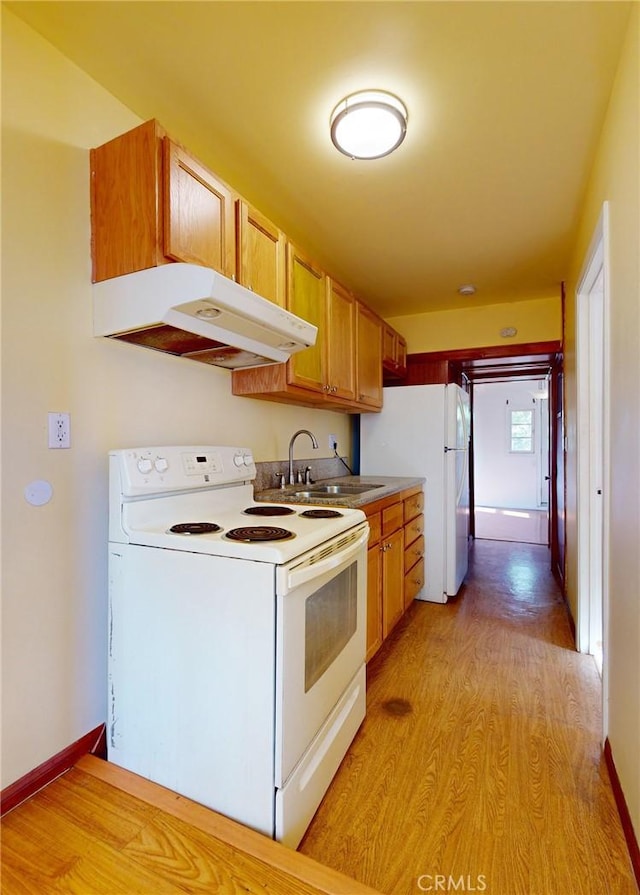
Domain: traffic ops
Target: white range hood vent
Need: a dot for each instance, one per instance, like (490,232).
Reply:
(194,312)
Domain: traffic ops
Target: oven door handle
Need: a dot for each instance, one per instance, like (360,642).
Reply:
(309,569)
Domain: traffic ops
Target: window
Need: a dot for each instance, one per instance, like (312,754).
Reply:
(521,431)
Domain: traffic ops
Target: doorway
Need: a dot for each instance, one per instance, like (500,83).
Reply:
(592,359)
(511,460)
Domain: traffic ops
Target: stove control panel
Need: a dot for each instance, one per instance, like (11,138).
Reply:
(152,470)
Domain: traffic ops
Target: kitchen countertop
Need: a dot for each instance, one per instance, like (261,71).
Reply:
(389,485)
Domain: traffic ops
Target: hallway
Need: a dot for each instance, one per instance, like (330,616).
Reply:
(478,767)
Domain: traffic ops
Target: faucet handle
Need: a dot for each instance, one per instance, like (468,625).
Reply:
(280,477)
(307,476)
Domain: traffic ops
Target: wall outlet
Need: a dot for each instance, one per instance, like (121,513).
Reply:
(59,430)
(333,443)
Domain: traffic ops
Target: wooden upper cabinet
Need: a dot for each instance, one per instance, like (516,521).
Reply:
(152,203)
(394,352)
(368,357)
(199,221)
(306,298)
(340,341)
(261,254)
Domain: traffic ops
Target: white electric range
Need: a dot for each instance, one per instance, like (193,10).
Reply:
(236,635)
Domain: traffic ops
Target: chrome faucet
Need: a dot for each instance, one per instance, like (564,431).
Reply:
(314,442)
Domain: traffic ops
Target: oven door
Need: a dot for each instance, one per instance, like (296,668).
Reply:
(321,640)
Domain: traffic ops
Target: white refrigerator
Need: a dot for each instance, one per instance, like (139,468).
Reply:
(423,430)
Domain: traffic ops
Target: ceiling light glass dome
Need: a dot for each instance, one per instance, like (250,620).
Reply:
(369,124)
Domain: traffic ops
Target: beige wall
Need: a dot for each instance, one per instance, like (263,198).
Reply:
(615,177)
(537,320)
(54,557)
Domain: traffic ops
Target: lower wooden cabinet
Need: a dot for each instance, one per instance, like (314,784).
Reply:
(395,562)
(392,581)
(374,600)
(413,547)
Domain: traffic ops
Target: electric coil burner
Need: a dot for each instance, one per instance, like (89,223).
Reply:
(259,533)
(321,514)
(195,528)
(268,511)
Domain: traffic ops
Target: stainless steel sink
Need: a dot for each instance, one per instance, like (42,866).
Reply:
(328,491)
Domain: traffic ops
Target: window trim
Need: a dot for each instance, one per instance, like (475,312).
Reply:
(510,425)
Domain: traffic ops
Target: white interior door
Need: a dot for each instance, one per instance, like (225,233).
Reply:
(592,312)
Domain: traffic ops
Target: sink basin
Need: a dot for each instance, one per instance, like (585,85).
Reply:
(319,491)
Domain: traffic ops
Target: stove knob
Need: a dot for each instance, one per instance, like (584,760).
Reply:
(144,465)
(238,460)
(161,464)
(248,459)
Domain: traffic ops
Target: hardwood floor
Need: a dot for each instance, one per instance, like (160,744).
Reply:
(100,830)
(479,765)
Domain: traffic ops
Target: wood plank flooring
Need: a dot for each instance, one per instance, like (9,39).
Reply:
(100,830)
(479,765)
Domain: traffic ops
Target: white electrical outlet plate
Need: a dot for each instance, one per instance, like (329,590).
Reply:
(333,442)
(59,430)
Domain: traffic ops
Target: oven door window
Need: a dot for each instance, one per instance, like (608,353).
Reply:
(331,616)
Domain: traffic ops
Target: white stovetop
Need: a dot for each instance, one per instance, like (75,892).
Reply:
(152,489)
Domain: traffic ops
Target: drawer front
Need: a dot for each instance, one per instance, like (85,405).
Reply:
(413,582)
(413,506)
(413,529)
(413,553)
(375,528)
(392,518)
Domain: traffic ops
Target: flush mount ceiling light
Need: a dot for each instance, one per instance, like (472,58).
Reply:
(467,289)
(368,124)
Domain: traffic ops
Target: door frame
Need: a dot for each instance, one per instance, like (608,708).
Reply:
(464,365)
(593,485)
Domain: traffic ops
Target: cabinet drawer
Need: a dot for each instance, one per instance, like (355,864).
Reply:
(413,582)
(375,528)
(413,529)
(413,553)
(392,518)
(413,506)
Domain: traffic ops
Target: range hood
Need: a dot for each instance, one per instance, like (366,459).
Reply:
(194,312)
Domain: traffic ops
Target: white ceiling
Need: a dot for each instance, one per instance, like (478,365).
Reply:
(506,101)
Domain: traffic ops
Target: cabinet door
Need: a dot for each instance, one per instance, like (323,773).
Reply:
(392,580)
(401,356)
(368,357)
(199,213)
(340,342)
(306,298)
(261,254)
(374,601)
(126,226)
(388,346)
(394,352)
